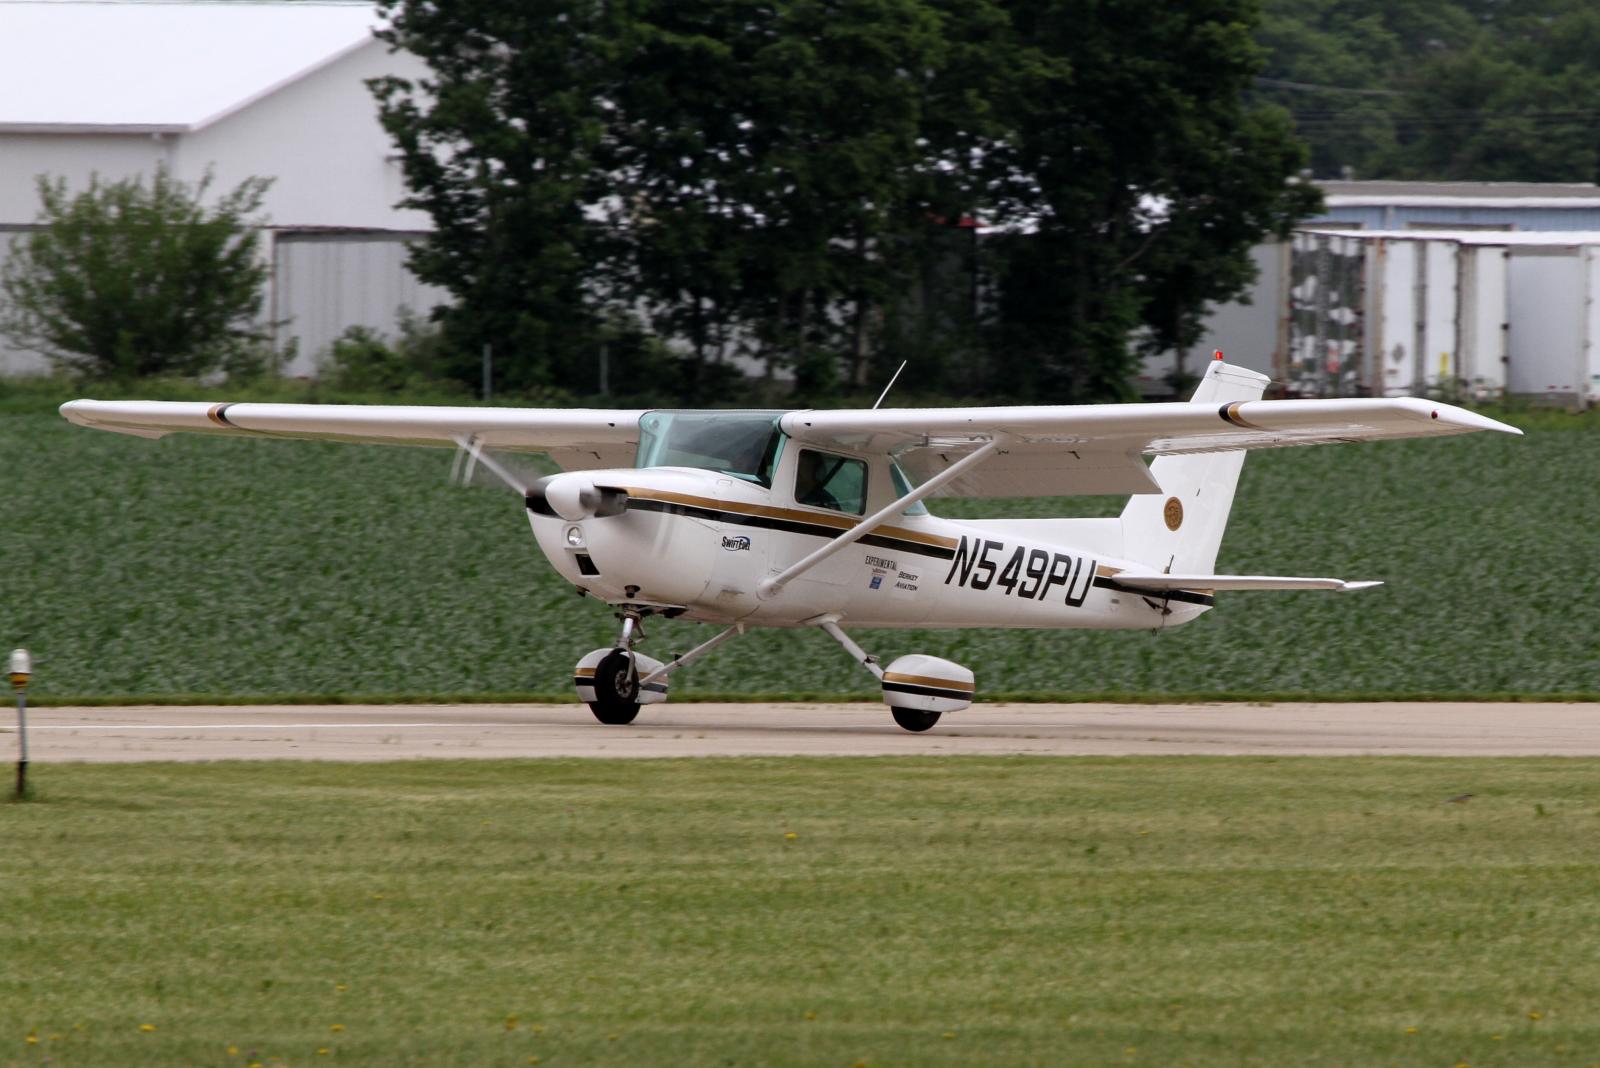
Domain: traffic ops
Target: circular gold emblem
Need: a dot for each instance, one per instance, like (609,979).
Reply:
(1173,513)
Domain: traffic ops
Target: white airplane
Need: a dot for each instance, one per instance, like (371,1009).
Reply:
(815,518)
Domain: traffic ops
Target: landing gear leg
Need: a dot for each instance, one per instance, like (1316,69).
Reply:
(616,678)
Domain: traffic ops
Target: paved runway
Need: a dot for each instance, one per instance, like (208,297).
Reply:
(400,732)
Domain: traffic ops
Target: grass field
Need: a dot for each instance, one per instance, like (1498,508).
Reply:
(250,568)
(802,912)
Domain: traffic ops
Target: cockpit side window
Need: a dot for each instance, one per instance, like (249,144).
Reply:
(824,480)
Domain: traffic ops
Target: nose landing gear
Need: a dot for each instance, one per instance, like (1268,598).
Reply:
(615,681)
(616,688)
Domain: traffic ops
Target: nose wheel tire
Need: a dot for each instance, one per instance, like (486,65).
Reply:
(914,719)
(616,690)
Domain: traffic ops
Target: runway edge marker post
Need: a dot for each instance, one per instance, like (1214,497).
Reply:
(21,671)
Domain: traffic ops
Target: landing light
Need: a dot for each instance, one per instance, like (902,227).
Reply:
(575,537)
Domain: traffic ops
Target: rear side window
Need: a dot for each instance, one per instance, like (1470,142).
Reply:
(824,480)
(902,486)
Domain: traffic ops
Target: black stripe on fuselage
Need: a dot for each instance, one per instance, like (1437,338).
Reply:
(1185,596)
(790,526)
(927,691)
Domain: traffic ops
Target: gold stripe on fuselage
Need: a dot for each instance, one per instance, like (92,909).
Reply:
(793,515)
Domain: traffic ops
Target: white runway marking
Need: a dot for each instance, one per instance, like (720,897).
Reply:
(400,732)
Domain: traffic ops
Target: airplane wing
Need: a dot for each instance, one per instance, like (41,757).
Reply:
(575,438)
(1098,448)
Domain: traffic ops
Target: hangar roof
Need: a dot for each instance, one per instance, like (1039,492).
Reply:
(158,66)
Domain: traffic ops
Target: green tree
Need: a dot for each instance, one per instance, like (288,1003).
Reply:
(499,146)
(1143,178)
(1520,104)
(126,278)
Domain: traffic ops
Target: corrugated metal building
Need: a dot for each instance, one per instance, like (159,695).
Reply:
(1460,206)
(236,88)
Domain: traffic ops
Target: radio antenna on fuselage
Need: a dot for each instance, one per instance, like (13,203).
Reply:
(892,381)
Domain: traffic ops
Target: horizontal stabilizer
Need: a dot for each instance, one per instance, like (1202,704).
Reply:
(1235,582)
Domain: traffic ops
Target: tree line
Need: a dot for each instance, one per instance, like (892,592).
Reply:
(1443,90)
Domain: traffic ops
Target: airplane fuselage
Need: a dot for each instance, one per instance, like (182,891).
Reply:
(701,542)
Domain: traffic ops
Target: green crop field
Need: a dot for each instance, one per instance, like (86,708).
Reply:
(1019,911)
(237,568)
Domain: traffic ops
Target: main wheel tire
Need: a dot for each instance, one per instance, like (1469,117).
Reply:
(616,689)
(915,719)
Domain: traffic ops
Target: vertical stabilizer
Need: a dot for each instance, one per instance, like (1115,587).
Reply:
(1180,530)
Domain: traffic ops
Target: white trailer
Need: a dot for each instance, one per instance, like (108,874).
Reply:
(1553,353)
(1414,296)
(1543,290)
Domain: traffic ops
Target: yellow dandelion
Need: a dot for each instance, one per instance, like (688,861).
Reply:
(1411,1030)
(811,1015)
(147,1028)
(233,1051)
(1462,1064)
(1536,1016)
(511,1023)
(537,1029)
(255,1064)
(1497,1038)
(323,1051)
(55,1038)
(341,987)
(377,897)
(336,1028)
(1130,1051)
(790,836)
(948,1035)
(32,1039)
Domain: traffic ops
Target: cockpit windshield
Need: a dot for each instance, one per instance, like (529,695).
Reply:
(742,444)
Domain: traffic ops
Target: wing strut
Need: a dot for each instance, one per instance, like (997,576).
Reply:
(771,587)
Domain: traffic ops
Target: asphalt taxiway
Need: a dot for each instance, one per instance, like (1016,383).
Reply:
(402,732)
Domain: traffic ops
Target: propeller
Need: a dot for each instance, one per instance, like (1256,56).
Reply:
(572,495)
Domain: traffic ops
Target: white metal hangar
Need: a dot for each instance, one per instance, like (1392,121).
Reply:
(237,88)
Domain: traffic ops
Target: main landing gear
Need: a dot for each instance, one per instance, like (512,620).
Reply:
(616,681)
(917,688)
